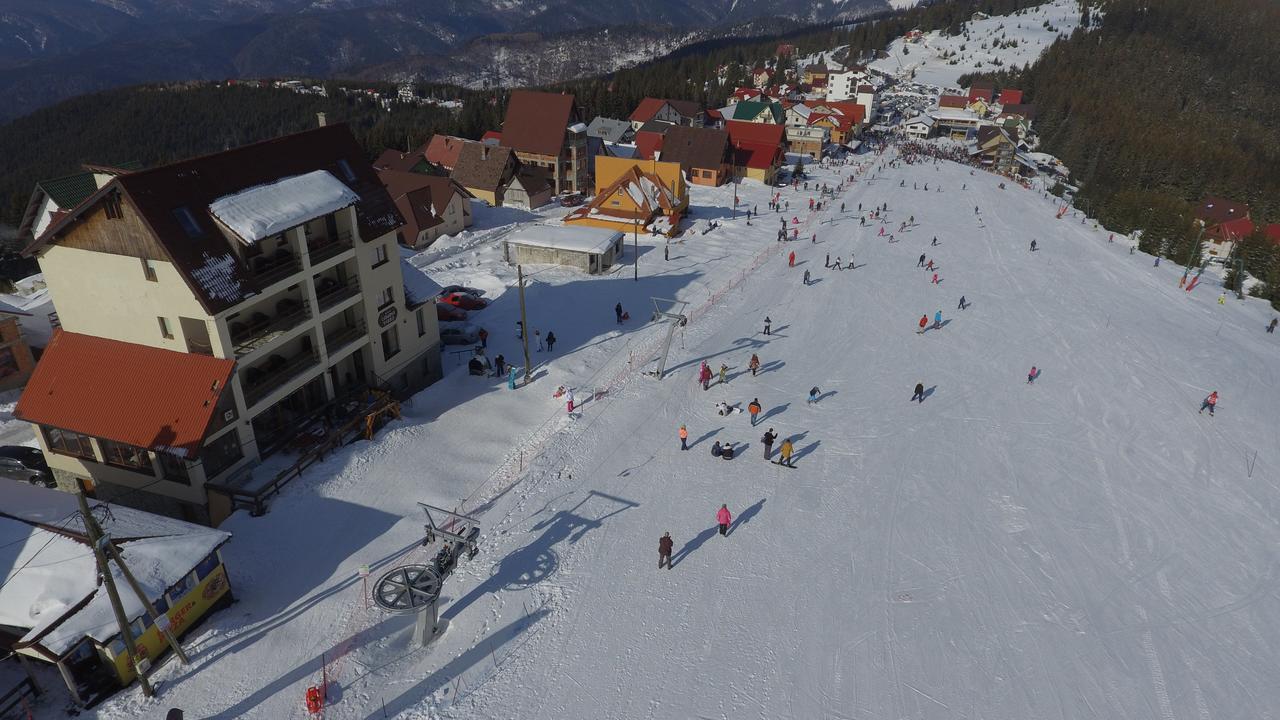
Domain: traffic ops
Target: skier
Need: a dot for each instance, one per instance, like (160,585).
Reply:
(684,438)
(551,341)
(1222,299)
(767,440)
(935,279)
(791,259)
(767,323)
(754,365)
(975,209)
(716,450)
(665,544)
(813,396)
(929,265)
(723,518)
(724,373)
(827,263)
(935,241)
(1157,263)
(839,267)
(937,319)
(924,323)
(704,375)
(1272,327)
(617,311)
(784,453)
(568,400)
(962,304)
(1210,402)
(1031,376)
(511,378)
(841,208)
(754,408)
(919,394)
(1033,246)
(920,262)
(806,277)
(881,231)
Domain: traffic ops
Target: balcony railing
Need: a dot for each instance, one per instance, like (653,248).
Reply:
(272,269)
(269,376)
(338,339)
(259,329)
(322,248)
(330,292)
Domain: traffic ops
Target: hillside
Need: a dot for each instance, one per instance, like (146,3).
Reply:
(1084,546)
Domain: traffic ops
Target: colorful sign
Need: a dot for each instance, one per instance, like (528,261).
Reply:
(185,611)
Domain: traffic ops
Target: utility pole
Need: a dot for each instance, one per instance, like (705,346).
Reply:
(126,633)
(524,328)
(635,249)
(161,620)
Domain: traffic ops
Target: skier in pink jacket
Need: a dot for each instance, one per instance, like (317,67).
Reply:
(723,517)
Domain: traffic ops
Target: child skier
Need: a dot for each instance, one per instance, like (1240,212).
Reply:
(1031,376)
(1210,402)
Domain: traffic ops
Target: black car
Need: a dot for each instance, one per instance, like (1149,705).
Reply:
(25,464)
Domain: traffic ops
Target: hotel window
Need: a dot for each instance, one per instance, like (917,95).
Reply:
(126,456)
(422,323)
(385,298)
(64,442)
(380,255)
(164,328)
(149,270)
(174,467)
(390,343)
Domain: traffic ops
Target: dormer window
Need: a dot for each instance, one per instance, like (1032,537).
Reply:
(188,222)
(347,173)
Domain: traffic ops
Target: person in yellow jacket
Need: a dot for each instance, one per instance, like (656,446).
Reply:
(784,453)
(684,438)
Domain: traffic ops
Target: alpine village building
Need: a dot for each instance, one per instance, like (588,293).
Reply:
(546,130)
(213,308)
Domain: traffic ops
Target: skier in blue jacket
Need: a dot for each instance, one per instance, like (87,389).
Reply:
(937,319)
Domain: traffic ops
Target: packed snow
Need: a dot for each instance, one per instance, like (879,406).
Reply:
(265,210)
(986,45)
(1084,546)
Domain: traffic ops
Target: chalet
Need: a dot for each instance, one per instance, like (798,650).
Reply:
(757,150)
(253,291)
(755,111)
(919,127)
(816,75)
(785,50)
(958,102)
(443,150)
(761,76)
(485,171)
(633,194)
(530,189)
(914,35)
(57,612)
(1225,223)
(994,148)
(671,112)
(1010,96)
(703,154)
(545,129)
(430,205)
(16,360)
(492,137)
(844,120)
(392,159)
(649,143)
(982,89)
(978,106)
(60,195)
(809,139)
(609,130)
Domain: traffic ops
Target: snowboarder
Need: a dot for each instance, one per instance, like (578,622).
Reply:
(617,311)
(723,518)
(499,365)
(704,375)
(754,408)
(920,262)
(551,341)
(924,323)
(791,259)
(937,319)
(1271,328)
(484,337)
(1210,402)
(813,396)
(1033,246)
(684,438)
(767,440)
(784,453)
(767,323)
(754,365)
(806,277)
(665,543)
(724,373)
(716,450)
(568,400)
(511,378)
(919,394)
(1031,376)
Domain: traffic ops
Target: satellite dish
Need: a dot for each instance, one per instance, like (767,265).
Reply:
(408,588)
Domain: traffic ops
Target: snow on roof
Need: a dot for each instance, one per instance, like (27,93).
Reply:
(953,114)
(266,210)
(924,119)
(217,276)
(559,237)
(418,288)
(49,573)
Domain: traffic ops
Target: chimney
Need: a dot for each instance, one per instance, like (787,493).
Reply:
(320,121)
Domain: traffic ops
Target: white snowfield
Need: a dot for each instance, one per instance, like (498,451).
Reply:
(1084,547)
(929,61)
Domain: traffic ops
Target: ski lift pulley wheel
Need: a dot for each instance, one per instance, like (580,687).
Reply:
(408,588)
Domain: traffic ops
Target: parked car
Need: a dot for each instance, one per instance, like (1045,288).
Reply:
(25,464)
(459,334)
(461,289)
(572,199)
(447,313)
(464,301)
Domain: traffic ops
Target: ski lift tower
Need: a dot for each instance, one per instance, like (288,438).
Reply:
(673,312)
(416,588)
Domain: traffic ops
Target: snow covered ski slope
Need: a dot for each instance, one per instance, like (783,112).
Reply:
(1087,546)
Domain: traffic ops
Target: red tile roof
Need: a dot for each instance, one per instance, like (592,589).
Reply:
(134,394)
(1214,210)
(536,122)
(1232,230)
(492,136)
(744,132)
(759,156)
(1010,96)
(648,143)
(953,101)
(443,150)
(421,199)
(979,92)
(647,108)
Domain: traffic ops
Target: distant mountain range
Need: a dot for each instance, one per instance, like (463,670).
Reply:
(51,50)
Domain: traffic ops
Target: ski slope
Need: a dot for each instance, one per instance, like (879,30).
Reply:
(1084,547)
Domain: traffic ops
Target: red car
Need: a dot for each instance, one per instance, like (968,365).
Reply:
(449,313)
(464,301)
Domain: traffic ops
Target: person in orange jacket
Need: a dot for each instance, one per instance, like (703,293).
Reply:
(754,364)
(791,259)
(684,438)
(754,409)
(1210,402)
(924,323)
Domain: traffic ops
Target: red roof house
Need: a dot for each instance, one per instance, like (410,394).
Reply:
(648,143)
(953,101)
(757,149)
(443,150)
(1010,96)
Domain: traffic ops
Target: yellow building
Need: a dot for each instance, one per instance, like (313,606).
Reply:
(633,194)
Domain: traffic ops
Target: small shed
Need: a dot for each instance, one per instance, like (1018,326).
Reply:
(591,250)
